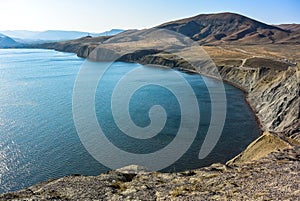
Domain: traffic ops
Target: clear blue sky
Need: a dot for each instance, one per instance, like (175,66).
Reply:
(102,15)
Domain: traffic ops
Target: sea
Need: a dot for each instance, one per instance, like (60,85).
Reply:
(38,136)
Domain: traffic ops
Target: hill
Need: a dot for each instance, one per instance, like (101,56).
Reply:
(229,28)
(7,42)
(207,29)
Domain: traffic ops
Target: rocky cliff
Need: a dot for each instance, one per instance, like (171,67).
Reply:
(274,95)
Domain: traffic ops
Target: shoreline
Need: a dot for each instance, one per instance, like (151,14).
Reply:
(223,159)
(258,151)
(182,69)
(245,92)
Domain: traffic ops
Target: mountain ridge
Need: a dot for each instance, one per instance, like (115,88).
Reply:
(227,28)
(207,29)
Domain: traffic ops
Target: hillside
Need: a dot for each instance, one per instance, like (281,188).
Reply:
(6,42)
(219,29)
(228,28)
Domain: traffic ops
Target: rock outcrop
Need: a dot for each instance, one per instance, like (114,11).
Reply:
(274,177)
(274,95)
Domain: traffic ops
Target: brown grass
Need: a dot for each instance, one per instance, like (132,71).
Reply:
(261,147)
(278,51)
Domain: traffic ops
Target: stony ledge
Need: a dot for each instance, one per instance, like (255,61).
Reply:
(274,177)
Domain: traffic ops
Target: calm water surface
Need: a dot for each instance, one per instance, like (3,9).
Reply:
(38,139)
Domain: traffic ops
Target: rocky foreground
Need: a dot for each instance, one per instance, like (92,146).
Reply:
(274,177)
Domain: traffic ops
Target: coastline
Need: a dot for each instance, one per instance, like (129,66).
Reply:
(262,93)
(186,70)
(236,86)
(259,59)
(270,146)
(249,76)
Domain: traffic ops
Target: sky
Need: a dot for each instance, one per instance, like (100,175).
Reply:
(102,15)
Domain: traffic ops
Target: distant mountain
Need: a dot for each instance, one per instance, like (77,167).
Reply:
(19,34)
(56,35)
(53,35)
(112,32)
(7,42)
(230,28)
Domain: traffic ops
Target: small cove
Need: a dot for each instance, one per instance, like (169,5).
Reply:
(38,138)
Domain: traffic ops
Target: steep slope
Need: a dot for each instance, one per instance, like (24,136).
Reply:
(227,28)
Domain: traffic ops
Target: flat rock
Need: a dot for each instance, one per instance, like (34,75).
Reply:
(133,169)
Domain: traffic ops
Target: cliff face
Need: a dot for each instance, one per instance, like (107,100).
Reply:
(274,95)
(276,99)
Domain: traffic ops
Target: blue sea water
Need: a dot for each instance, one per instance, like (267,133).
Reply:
(38,138)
